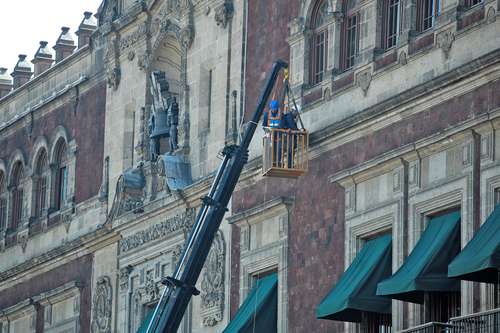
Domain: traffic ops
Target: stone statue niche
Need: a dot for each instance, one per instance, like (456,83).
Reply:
(164,120)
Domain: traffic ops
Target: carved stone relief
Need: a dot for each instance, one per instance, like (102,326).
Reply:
(123,277)
(491,15)
(364,78)
(212,284)
(445,40)
(402,58)
(102,306)
(181,222)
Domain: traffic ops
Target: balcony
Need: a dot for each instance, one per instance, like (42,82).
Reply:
(482,322)
(432,327)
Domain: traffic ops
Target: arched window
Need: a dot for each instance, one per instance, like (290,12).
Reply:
(3,202)
(61,175)
(319,42)
(16,196)
(350,36)
(40,183)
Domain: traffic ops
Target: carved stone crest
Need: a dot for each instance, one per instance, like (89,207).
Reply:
(364,78)
(212,284)
(144,61)
(113,77)
(102,306)
(123,277)
(444,41)
(224,13)
(402,58)
(491,15)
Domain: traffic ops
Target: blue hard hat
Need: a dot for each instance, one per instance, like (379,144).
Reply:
(274,105)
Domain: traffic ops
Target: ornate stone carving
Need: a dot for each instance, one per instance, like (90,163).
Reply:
(102,306)
(445,40)
(180,11)
(152,292)
(491,15)
(176,254)
(113,77)
(123,277)
(364,78)
(144,61)
(186,36)
(402,58)
(22,238)
(181,222)
(129,40)
(212,284)
(130,193)
(224,13)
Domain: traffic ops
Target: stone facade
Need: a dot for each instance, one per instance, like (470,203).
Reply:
(402,134)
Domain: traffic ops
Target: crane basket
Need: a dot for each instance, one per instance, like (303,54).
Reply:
(285,148)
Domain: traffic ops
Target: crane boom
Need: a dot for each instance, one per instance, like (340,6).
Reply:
(181,286)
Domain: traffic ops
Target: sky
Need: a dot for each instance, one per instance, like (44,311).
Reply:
(25,23)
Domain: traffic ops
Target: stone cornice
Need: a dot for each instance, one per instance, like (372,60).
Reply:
(259,209)
(79,247)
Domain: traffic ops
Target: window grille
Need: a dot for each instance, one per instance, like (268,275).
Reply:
(427,11)
(351,41)
(391,23)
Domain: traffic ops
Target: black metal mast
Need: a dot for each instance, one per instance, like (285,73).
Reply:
(177,294)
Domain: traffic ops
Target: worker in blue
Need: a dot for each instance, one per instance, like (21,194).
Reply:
(276,119)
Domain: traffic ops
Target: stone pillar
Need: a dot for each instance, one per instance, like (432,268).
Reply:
(22,72)
(43,58)
(85,29)
(65,45)
(5,82)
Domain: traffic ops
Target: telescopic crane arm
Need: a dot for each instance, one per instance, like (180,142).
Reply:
(180,287)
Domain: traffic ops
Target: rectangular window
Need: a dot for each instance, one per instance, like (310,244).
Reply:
(391,27)
(427,11)
(351,41)
(319,56)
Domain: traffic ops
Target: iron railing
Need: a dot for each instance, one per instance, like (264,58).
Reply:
(482,322)
(432,327)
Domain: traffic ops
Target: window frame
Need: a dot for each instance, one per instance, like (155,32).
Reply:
(60,190)
(387,34)
(318,45)
(17,196)
(41,184)
(427,22)
(3,202)
(348,51)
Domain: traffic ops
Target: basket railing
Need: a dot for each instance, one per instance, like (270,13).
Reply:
(285,152)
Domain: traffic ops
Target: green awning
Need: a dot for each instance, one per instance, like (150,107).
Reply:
(145,322)
(480,258)
(426,268)
(355,292)
(259,312)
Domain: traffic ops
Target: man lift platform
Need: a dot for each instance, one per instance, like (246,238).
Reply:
(285,146)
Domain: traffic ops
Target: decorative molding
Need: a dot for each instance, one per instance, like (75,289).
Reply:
(129,40)
(491,15)
(403,59)
(212,283)
(445,40)
(102,306)
(123,277)
(363,79)
(181,222)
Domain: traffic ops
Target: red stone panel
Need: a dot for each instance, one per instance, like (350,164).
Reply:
(316,229)
(79,270)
